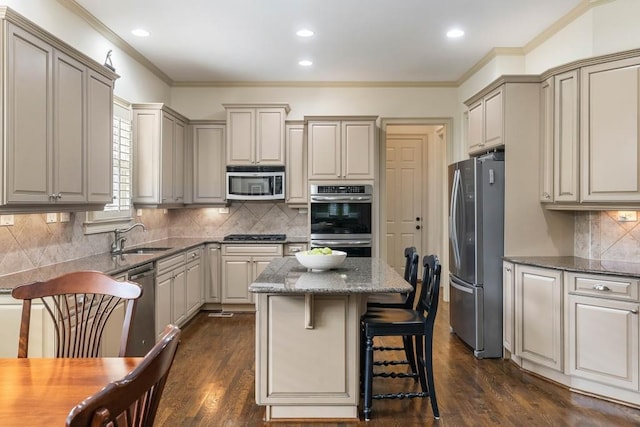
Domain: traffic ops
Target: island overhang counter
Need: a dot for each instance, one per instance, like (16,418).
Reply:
(307,335)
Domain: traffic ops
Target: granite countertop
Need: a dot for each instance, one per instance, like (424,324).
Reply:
(115,264)
(355,275)
(579,265)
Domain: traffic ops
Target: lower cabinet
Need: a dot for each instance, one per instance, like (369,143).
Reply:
(508,320)
(41,333)
(195,281)
(212,289)
(241,264)
(603,330)
(538,316)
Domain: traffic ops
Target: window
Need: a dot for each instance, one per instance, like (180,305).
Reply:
(119,212)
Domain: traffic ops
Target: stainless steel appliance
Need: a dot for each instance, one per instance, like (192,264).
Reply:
(476,247)
(341,218)
(255,182)
(142,336)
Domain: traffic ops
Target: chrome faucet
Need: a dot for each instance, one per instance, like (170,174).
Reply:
(117,246)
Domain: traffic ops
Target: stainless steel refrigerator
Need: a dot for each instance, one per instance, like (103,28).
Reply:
(476,247)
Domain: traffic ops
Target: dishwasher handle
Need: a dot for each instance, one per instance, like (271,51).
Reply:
(142,271)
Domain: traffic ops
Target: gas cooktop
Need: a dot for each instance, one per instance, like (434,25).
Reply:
(255,237)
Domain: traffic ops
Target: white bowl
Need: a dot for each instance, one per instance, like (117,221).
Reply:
(321,262)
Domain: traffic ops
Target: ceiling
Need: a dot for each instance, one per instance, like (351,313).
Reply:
(354,40)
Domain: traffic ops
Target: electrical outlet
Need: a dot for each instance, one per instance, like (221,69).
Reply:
(138,212)
(223,210)
(52,217)
(65,216)
(6,219)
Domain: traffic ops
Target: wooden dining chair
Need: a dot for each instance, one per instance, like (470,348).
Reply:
(80,304)
(133,400)
(416,323)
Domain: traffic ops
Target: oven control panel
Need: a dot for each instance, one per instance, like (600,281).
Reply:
(342,189)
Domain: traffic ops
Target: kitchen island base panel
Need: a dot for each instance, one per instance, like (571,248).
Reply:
(326,413)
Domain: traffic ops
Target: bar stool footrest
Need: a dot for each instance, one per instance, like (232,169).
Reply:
(383,348)
(400,395)
(390,362)
(395,375)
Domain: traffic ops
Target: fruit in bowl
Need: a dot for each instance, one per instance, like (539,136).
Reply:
(320,259)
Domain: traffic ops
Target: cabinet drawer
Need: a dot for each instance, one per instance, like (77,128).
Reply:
(169,263)
(290,249)
(603,286)
(194,254)
(273,250)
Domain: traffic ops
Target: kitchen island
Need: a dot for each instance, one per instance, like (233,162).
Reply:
(307,335)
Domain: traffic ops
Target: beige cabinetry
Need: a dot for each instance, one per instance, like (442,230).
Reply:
(508,302)
(296,186)
(486,122)
(41,332)
(241,264)
(566,142)
(159,146)
(256,134)
(610,132)
(195,281)
(341,148)
(170,291)
(546,140)
(206,163)
(603,329)
(58,118)
(291,249)
(212,280)
(538,316)
(321,375)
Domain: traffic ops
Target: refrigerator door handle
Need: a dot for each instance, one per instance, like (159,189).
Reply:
(453,208)
(461,288)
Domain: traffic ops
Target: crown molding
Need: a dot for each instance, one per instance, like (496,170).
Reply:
(118,41)
(443,84)
(492,54)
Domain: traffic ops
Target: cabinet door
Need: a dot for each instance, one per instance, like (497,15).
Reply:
(69,140)
(179,133)
(296,186)
(179,295)
(493,119)
(603,341)
(475,131)
(167,153)
(241,136)
(508,319)
(236,276)
(208,164)
(163,301)
(358,150)
(546,141)
(565,137)
(146,155)
(41,333)
(324,150)
(270,136)
(194,286)
(110,344)
(99,144)
(538,299)
(213,276)
(610,138)
(29,104)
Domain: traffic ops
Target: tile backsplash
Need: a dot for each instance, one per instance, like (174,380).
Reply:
(600,235)
(32,242)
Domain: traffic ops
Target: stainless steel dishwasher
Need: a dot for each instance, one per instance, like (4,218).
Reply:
(143,331)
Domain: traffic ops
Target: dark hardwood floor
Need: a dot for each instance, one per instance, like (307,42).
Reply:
(211,383)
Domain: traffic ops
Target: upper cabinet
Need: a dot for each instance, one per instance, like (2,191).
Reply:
(159,135)
(486,122)
(341,148)
(296,169)
(256,134)
(610,132)
(590,136)
(58,122)
(206,162)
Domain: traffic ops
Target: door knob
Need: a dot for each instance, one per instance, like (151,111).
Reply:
(417,227)
(417,218)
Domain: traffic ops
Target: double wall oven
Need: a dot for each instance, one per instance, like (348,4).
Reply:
(341,218)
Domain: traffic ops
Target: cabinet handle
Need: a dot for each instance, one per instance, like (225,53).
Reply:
(546,195)
(508,269)
(633,311)
(601,288)
(59,196)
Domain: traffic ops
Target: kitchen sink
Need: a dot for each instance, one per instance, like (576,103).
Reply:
(144,250)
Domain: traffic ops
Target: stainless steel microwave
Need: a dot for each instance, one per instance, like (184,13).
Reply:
(255,182)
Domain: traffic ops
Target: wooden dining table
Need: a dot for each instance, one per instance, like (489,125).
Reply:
(39,392)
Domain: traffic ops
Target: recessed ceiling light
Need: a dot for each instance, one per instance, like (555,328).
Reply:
(455,33)
(305,63)
(304,33)
(140,32)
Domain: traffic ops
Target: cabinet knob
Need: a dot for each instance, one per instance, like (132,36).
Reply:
(59,196)
(633,311)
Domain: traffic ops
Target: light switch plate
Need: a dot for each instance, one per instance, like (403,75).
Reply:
(138,212)
(65,216)
(6,219)
(52,217)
